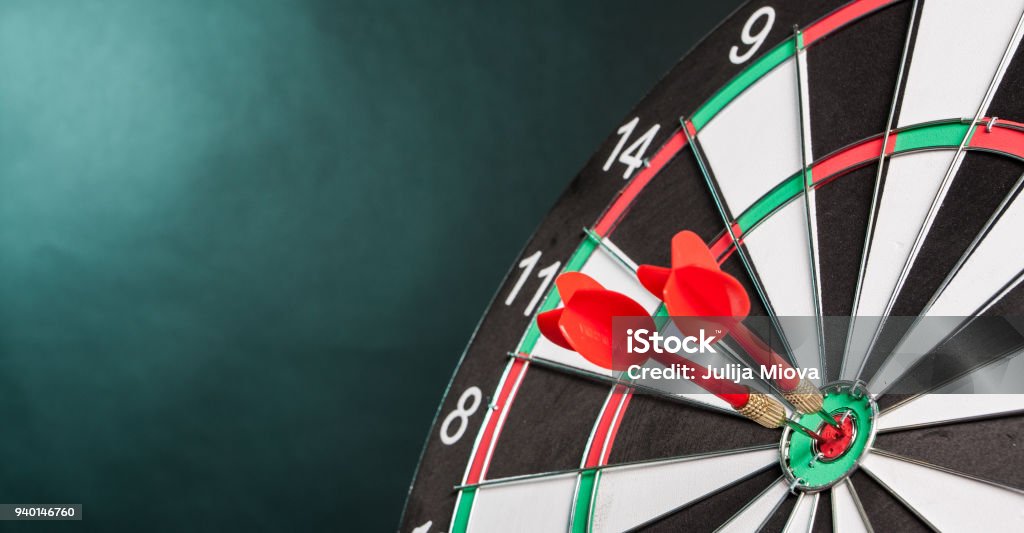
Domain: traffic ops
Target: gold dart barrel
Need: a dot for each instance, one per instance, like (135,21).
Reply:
(805,397)
(764,410)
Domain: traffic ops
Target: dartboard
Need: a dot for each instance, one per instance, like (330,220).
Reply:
(845,178)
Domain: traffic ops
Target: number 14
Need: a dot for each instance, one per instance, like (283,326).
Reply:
(633,156)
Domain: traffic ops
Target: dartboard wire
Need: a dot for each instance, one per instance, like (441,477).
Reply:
(806,157)
(1001,209)
(793,516)
(926,464)
(826,25)
(727,220)
(856,502)
(876,194)
(1009,354)
(754,500)
(695,501)
(992,300)
(947,179)
(1004,205)
(936,135)
(730,351)
(944,185)
(642,462)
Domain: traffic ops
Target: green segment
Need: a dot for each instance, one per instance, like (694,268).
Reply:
(745,79)
(584,495)
(661,317)
(936,135)
(775,198)
(461,521)
(800,452)
(576,261)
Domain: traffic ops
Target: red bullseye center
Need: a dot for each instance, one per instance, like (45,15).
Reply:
(836,441)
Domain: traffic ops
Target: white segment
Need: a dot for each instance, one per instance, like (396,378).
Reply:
(802,518)
(754,142)
(931,409)
(613,275)
(778,249)
(628,496)
(952,66)
(757,512)
(994,263)
(910,185)
(542,504)
(847,516)
(947,501)
(994,389)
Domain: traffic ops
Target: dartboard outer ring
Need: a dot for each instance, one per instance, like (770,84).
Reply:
(505,415)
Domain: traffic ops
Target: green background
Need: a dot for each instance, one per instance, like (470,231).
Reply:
(243,244)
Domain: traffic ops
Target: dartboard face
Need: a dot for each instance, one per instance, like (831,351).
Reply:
(808,162)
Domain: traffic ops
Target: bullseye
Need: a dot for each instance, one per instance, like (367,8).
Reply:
(837,441)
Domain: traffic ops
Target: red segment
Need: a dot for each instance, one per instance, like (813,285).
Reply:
(836,441)
(495,418)
(850,158)
(1001,139)
(690,128)
(840,17)
(615,211)
(890,145)
(607,427)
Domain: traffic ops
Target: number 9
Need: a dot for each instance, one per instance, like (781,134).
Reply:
(755,41)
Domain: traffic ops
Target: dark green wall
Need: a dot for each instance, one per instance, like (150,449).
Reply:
(243,244)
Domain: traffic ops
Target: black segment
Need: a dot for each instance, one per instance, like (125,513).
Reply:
(549,424)
(851,77)
(987,449)
(654,428)
(823,514)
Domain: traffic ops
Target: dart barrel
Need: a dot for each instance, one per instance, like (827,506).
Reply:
(764,410)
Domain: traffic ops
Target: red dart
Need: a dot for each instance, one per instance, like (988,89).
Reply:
(585,323)
(696,286)
(567,283)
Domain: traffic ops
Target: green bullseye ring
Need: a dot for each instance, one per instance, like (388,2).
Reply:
(804,468)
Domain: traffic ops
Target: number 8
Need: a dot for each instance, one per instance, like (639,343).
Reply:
(462,412)
(755,41)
